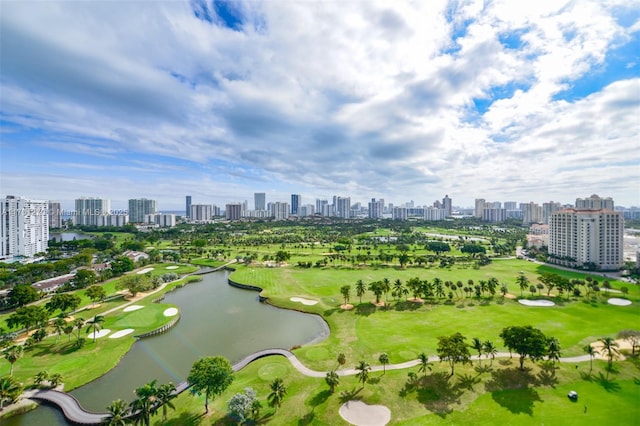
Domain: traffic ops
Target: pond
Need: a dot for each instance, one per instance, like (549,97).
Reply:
(216,319)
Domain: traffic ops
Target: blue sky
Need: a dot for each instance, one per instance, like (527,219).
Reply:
(533,101)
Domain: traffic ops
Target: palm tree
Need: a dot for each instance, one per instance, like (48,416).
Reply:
(68,330)
(384,360)
(361,288)
(13,354)
(477,345)
(342,359)
(363,369)
(78,323)
(10,389)
(610,347)
(55,379)
(332,380)
(145,404)
(164,396)
(58,326)
(397,289)
(278,391)
(345,290)
(523,282)
(424,364)
(96,325)
(386,288)
(592,352)
(490,350)
(40,377)
(118,411)
(554,349)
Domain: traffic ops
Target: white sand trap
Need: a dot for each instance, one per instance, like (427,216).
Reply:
(303,301)
(145,270)
(121,333)
(99,334)
(132,308)
(544,303)
(360,414)
(619,302)
(171,312)
(172,267)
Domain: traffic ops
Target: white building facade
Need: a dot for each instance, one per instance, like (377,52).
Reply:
(24,230)
(587,238)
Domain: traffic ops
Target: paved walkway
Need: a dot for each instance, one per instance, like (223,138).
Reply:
(74,412)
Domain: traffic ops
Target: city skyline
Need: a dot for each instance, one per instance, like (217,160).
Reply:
(359,99)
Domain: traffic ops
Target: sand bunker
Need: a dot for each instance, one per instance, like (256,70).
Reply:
(121,333)
(172,267)
(542,302)
(619,302)
(303,301)
(360,414)
(144,271)
(170,312)
(132,308)
(99,334)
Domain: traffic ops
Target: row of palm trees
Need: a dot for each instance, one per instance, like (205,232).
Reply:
(419,289)
(149,400)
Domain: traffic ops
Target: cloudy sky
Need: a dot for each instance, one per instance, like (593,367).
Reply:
(502,100)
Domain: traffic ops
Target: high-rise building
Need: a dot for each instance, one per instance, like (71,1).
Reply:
(201,212)
(447,204)
(24,227)
(88,209)
(306,210)
(320,206)
(55,215)
(433,213)
(162,220)
(400,213)
(531,213)
(279,210)
(511,205)
(548,209)
(117,220)
(479,207)
(587,238)
(233,211)
(494,215)
(296,201)
(343,208)
(187,213)
(376,208)
(259,201)
(594,203)
(139,208)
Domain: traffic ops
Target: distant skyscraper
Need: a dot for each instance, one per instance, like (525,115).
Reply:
(296,200)
(594,203)
(511,205)
(479,208)
(139,208)
(260,201)
(201,212)
(343,208)
(531,213)
(187,213)
(279,210)
(233,211)
(321,205)
(55,215)
(400,213)
(24,227)
(88,209)
(447,205)
(548,209)
(376,208)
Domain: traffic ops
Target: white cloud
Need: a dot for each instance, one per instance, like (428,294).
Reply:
(365,97)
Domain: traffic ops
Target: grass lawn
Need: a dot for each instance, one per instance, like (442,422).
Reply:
(500,395)
(406,329)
